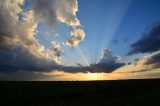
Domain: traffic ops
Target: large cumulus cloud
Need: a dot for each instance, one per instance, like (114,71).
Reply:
(77,35)
(52,11)
(20,50)
(64,11)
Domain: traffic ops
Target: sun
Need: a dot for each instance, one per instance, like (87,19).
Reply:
(93,76)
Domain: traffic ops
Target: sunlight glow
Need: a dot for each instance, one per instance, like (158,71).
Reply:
(93,76)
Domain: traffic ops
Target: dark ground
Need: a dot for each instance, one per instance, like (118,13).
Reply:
(81,93)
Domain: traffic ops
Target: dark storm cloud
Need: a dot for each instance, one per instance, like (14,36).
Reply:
(149,43)
(107,64)
(20,60)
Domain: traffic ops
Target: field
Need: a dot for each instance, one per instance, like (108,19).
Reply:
(80,93)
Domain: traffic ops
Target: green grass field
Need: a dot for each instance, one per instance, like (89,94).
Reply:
(80,93)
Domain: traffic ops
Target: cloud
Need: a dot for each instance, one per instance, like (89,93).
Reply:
(33,76)
(77,35)
(8,21)
(149,43)
(20,50)
(57,49)
(53,12)
(153,60)
(107,64)
(147,63)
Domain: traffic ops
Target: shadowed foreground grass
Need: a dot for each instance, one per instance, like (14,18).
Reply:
(80,93)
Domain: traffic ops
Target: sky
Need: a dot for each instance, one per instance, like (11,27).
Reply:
(79,39)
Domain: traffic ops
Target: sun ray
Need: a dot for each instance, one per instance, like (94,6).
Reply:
(113,22)
(83,56)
